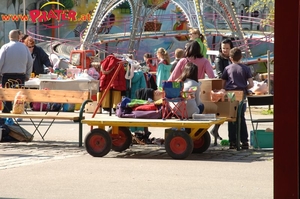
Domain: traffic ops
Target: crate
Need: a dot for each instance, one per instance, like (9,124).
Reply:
(264,139)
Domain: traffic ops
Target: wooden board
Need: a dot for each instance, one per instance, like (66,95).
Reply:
(128,122)
(52,96)
(42,116)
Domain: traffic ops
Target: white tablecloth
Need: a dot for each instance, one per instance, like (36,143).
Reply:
(68,84)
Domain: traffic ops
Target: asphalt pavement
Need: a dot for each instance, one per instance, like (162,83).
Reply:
(58,168)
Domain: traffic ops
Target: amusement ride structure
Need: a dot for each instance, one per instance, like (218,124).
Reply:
(143,24)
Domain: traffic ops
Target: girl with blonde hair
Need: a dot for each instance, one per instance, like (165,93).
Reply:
(163,66)
(163,56)
(197,36)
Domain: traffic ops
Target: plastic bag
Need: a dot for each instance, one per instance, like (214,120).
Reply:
(217,96)
(259,88)
(19,101)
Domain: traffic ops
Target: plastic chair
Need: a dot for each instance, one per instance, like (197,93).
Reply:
(173,101)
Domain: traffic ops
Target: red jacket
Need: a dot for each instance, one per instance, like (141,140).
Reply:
(108,68)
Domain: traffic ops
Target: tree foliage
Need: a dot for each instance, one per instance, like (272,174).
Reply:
(262,5)
(69,4)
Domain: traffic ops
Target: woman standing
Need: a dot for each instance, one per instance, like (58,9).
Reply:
(197,36)
(222,60)
(39,56)
(192,54)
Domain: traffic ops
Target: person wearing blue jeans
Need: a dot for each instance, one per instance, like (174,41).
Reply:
(233,130)
(237,76)
(201,108)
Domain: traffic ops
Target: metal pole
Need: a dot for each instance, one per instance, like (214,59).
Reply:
(58,36)
(268,69)
(24,13)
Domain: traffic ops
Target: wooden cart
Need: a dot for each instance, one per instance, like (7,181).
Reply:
(184,136)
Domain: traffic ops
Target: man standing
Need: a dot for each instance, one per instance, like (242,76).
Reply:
(15,63)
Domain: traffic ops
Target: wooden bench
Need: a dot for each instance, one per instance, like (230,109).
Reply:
(48,96)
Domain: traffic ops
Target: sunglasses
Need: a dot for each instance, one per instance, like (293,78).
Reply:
(30,46)
(192,33)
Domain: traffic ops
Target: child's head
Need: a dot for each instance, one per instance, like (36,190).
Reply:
(179,53)
(163,54)
(190,71)
(148,57)
(235,54)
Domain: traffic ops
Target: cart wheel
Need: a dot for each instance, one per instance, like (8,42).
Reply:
(97,143)
(203,143)
(179,145)
(122,140)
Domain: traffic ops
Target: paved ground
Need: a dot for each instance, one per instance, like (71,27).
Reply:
(58,168)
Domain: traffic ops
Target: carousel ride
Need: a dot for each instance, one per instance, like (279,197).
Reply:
(149,22)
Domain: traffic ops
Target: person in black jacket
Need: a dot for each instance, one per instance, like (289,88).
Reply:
(222,60)
(39,56)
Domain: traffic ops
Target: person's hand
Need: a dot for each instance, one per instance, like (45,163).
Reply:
(50,69)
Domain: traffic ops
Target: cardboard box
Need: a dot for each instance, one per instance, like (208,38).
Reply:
(264,139)
(19,133)
(207,85)
(91,107)
(221,109)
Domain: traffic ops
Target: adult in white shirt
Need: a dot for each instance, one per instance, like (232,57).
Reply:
(15,63)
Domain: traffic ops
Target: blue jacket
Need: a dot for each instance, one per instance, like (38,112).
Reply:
(138,81)
(40,59)
(162,74)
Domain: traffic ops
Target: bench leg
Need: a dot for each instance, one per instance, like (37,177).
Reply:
(80,134)
(36,127)
(48,128)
